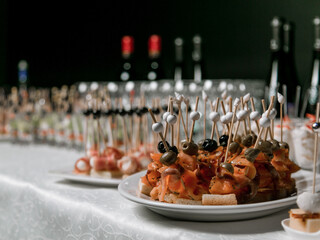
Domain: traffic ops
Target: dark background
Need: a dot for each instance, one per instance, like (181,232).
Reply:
(65,42)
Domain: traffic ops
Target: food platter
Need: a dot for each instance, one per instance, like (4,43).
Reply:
(128,188)
(69,176)
(298,234)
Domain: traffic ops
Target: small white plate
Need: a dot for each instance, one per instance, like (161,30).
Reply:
(68,175)
(298,234)
(128,188)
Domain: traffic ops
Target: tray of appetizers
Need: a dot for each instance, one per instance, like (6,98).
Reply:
(129,189)
(240,176)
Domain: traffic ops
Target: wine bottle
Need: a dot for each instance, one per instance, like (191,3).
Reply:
(179,63)
(315,73)
(154,71)
(23,74)
(275,77)
(197,59)
(289,67)
(127,48)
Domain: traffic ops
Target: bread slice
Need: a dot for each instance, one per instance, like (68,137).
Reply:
(172,198)
(105,174)
(144,188)
(217,199)
(304,221)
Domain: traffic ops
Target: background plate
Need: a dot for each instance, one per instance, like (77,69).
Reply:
(68,175)
(128,188)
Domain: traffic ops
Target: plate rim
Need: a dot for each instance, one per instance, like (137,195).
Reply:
(252,207)
(68,175)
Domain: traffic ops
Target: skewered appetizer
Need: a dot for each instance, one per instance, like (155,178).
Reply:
(307,217)
(237,170)
(117,158)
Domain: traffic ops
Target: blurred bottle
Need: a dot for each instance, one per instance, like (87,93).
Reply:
(275,77)
(155,71)
(23,74)
(127,72)
(179,61)
(198,73)
(289,67)
(315,73)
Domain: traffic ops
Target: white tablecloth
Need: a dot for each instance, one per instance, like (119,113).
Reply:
(35,205)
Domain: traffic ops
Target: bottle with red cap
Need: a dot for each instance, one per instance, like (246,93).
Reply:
(127,48)
(154,71)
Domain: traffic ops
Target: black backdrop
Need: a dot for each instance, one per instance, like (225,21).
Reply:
(66,41)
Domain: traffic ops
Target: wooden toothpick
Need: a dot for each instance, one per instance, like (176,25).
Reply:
(315,153)
(194,121)
(160,134)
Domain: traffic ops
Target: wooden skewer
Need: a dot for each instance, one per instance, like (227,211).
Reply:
(184,126)
(248,118)
(193,121)
(230,133)
(224,112)
(160,134)
(204,118)
(178,130)
(281,122)
(268,129)
(315,153)
(172,126)
(167,125)
(214,124)
(253,109)
(244,120)
(187,117)
(262,128)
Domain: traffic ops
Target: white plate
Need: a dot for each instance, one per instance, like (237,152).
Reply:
(68,175)
(298,234)
(128,188)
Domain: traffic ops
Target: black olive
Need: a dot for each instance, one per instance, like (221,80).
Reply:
(208,145)
(161,147)
(139,112)
(130,112)
(174,149)
(176,110)
(264,146)
(238,139)
(69,111)
(275,145)
(144,110)
(86,112)
(122,112)
(247,140)
(190,148)
(254,138)
(227,166)
(168,158)
(234,146)
(155,111)
(284,145)
(251,154)
(96,114)
(223,140)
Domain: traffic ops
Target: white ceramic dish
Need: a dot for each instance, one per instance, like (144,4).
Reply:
(298,234)
(68,175)
(128,188)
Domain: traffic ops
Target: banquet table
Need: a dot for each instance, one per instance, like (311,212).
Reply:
(36,205)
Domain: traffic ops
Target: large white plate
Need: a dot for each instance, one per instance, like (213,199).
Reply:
(128,188)
(68,175)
